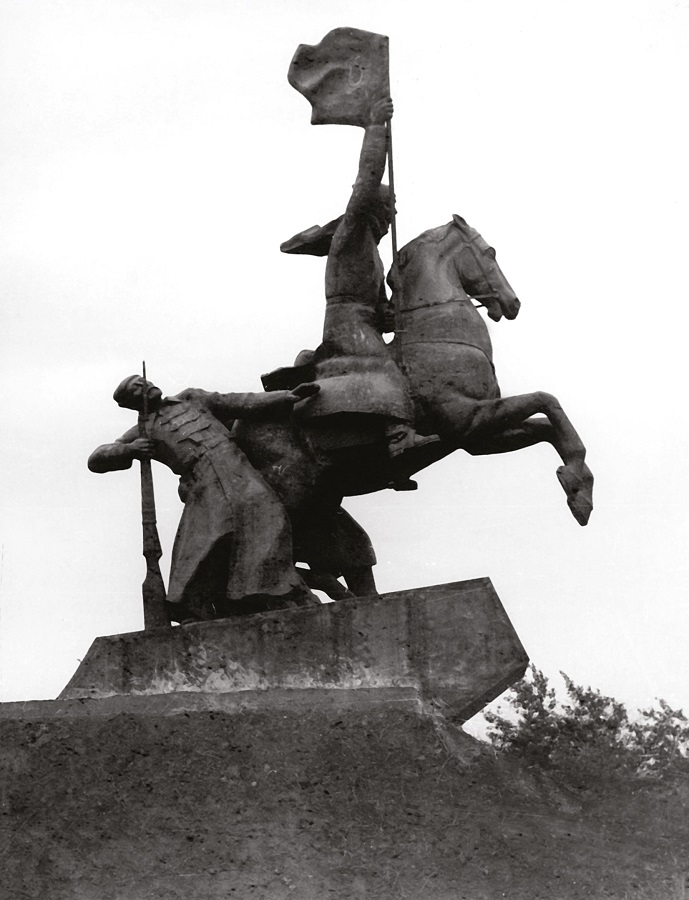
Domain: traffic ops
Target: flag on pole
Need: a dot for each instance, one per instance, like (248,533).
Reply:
(342,76)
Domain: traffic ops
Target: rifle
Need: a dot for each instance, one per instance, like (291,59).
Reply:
(153,587)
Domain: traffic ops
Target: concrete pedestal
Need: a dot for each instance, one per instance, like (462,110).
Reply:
(452,642)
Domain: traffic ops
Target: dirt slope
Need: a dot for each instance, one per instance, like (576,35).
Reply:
(312,803)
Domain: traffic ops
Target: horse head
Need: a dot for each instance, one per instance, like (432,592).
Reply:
(480,274)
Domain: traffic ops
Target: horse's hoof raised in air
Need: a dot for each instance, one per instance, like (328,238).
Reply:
(579,490)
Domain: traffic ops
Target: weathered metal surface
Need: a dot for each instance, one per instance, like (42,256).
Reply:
(453,642)
(342,76)
(234,538)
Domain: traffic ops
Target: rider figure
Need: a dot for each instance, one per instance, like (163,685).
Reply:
(353,365)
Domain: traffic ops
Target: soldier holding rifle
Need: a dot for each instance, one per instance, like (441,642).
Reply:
(233,549)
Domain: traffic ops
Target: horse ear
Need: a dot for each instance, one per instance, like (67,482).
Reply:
(459,221)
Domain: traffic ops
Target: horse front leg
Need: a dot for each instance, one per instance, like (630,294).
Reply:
(536,430)
(507,423)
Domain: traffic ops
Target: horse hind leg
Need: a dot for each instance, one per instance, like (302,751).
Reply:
(496,426)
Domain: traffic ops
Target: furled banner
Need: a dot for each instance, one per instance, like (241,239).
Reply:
(342,76)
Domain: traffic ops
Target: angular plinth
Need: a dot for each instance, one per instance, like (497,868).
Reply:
(453,642)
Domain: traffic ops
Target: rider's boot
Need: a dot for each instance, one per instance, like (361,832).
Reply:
(403,440)
(404,484)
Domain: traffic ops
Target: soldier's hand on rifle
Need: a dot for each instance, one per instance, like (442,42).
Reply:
(304,391)
(141,448)
(381,111)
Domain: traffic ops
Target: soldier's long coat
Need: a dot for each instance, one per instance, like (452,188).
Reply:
(225,500)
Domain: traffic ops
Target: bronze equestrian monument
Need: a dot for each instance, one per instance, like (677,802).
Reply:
(239,633)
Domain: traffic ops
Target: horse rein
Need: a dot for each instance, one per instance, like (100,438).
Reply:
(470,245)
(493,294)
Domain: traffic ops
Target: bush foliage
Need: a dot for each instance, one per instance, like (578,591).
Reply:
(588,737)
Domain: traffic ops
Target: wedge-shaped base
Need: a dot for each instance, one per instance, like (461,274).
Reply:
(453,642)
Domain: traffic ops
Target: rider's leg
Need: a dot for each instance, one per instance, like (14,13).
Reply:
(401,437)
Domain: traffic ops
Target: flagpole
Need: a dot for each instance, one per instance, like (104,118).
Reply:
(393,214)
(391,179)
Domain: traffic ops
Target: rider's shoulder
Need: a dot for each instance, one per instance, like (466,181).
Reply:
(353,230)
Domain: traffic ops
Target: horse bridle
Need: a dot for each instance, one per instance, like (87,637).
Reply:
(470,245)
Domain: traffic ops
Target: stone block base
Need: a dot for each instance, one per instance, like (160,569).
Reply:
(452,642)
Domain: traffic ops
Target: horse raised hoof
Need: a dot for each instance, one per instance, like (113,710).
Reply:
(579,490)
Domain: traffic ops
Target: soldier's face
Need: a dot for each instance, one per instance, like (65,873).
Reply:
(135,395)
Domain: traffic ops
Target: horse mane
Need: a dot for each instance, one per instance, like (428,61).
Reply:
(431,236)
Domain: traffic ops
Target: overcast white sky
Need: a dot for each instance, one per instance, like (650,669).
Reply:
(153,157)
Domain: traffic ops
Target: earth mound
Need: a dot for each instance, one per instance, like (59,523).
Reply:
(315,794)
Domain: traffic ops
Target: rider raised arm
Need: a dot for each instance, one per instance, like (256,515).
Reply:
(354,266)
(354,366)
(372,159)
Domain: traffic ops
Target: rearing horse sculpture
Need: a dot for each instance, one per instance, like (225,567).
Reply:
(443,348)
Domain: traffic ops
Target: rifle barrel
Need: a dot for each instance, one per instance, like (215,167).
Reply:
(153,587)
